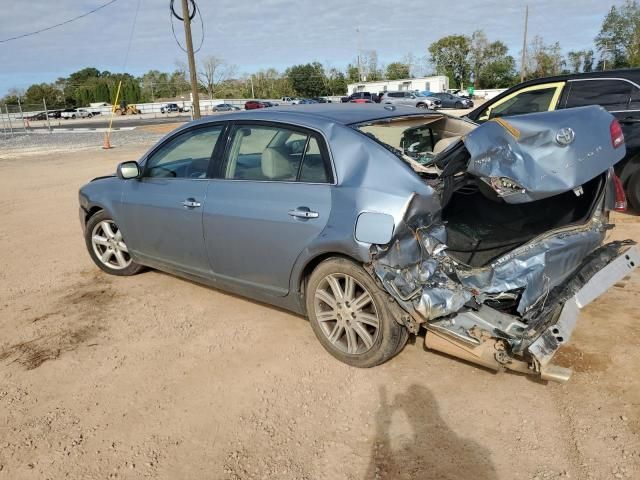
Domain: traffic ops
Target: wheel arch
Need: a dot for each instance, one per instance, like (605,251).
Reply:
(307,268)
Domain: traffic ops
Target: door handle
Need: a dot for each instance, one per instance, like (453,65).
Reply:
(303,212)
(191,203)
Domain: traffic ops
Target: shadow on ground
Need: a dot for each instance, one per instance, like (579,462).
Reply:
(429,449)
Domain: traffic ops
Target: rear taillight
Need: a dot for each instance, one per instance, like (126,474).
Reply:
(620,204)
(617,138)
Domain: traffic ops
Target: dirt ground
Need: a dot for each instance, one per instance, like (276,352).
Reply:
(153,376)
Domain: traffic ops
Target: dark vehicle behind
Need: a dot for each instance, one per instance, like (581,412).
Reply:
(618,91)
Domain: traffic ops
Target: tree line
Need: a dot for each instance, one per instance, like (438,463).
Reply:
(466,59)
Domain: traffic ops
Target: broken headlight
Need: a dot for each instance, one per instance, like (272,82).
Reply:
(504,186)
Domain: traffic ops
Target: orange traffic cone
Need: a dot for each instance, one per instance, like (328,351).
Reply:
(106,145)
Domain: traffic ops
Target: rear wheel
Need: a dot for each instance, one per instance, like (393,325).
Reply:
(350,316)
(107,247)
(633,191)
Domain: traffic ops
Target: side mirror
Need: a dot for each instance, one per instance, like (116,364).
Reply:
(127,170)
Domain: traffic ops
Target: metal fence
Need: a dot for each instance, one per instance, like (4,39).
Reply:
(24,118)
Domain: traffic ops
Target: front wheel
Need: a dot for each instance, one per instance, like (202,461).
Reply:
(107,247)
(350,316)
(421,105)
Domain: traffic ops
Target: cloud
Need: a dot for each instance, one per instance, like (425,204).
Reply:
(276,33)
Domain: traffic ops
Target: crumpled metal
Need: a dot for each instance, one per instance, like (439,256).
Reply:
(526,150)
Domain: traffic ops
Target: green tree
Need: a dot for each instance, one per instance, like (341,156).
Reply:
(619,39)
(353,75)
(490,62)
(450,57)
(397,71)
(53,96)
(307,80)
(543,60)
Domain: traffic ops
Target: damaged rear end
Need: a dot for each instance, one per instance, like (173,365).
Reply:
(498,275)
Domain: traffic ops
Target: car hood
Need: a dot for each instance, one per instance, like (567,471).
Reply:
(534,156)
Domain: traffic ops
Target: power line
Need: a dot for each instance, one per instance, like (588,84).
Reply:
(58,24)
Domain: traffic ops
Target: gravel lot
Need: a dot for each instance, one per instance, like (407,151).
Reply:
(153,376)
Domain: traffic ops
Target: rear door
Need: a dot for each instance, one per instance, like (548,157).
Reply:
(162,211)
(272,197)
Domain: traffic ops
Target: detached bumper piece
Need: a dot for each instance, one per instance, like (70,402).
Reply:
(559,333)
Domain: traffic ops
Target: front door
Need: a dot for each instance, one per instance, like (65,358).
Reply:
(272,198)
(162,211)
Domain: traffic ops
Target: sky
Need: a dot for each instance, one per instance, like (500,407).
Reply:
(269,33)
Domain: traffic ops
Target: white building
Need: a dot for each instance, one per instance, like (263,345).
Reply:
(438,83)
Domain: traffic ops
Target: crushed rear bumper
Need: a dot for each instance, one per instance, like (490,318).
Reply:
(559,332)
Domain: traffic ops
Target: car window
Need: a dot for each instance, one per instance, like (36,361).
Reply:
(529,101)
(314,167)
(610,94)
(185,156)
(634,104)
(259,152)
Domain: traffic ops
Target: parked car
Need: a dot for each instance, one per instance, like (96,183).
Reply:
(254,104)
(361,100)
(321,100)
(225,107)
(459,93)
(618,91)
(173,108)
(36,116)
(452,101)
(413,99)
(76,113)
(306,101)
(57,113)
(491,251)
(357,95)
(270,104)
(290,100)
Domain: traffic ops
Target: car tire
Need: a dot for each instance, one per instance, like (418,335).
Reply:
(422,105)
(73,116)
(106,246)
(361,335)
(90,115)
(458,105)
(633,192)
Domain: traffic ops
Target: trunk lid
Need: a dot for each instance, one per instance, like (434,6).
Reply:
(535,156)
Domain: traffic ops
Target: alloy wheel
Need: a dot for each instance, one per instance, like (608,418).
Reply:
(109,246)
(346,313)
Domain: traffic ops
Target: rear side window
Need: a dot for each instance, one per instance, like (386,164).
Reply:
(610,94)
(269,153)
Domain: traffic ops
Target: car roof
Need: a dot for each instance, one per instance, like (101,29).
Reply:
(632,74)
(342,113)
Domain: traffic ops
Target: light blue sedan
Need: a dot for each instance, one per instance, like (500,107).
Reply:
(378,221)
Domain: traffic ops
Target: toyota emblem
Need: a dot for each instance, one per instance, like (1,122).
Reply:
(565,136)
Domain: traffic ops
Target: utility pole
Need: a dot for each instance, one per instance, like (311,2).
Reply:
(359,61)
(523,65)
(192,60)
